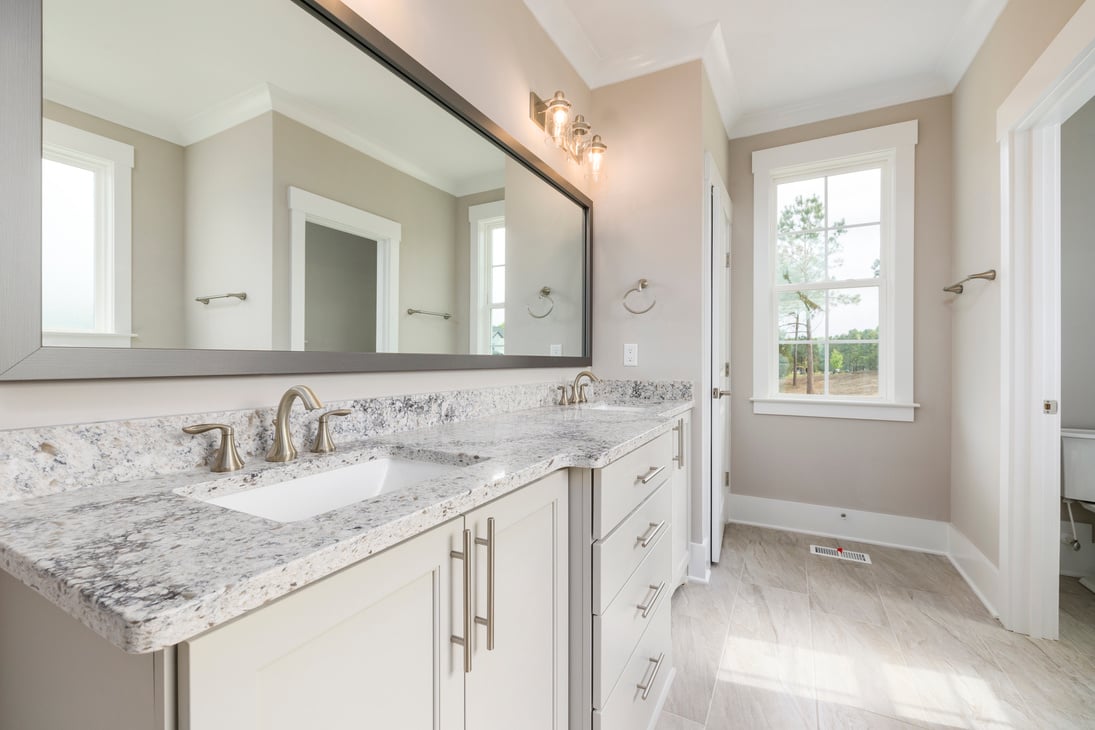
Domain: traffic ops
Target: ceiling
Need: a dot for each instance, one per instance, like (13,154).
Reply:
(778,63)
(186,71)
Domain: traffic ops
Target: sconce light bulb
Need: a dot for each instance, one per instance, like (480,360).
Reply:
(558,114)
(596,158)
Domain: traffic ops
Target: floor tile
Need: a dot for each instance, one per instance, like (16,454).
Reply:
(835,716)
(775,564)
(844,589)
(697,648)
(669,721)
(860,666)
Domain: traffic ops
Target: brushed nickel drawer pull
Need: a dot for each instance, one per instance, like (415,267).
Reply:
(489,620)
(679,428)
(648,537)
(465,640)
(653,675)
(654,471)
(646,607)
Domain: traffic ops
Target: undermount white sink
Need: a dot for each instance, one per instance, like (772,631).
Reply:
(610,407)
(313,495)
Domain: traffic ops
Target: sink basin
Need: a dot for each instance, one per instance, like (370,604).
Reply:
(313,495)
(610,407)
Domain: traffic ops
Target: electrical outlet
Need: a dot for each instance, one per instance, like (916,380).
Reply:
(631,356)
(556,350)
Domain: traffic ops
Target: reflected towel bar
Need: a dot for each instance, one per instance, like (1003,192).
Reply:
(989,275)
(241,295)
(443,315)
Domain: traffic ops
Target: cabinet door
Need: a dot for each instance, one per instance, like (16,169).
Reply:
(368,647)
(522,681)
(682,489)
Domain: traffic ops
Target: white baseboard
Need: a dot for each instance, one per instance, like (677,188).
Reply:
(699,562)
(911,533)
(980,572)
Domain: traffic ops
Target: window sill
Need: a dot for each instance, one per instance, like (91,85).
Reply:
(87,339)
(854,409)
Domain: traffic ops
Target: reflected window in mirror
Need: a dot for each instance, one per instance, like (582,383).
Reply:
(488,256)
(86,207)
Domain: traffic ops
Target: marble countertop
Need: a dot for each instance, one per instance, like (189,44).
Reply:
(146,564)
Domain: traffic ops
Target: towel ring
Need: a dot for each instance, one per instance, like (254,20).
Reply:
(545,293)
(643,283)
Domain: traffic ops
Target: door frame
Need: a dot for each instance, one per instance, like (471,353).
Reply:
(1029,133)
(699,561)
(306,207)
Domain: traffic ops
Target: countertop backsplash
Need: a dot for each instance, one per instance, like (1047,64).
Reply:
(37,462)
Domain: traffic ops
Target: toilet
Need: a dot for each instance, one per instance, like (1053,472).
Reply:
(1078,466)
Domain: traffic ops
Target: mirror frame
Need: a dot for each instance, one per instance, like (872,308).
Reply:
(22,356)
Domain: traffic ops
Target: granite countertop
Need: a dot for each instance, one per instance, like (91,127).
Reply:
(146,564)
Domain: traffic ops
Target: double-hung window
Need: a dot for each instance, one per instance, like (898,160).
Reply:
(488,278)
(833,276)
(86,238)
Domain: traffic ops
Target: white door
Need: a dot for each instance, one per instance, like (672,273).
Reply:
(720,359)
(522,680)
(368,646)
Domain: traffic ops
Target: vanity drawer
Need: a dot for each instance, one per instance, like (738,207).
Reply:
(616,632)
(620,487)
(626,708)
(617,556)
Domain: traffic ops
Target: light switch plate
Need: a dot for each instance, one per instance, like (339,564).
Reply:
(631,356)
(556,350)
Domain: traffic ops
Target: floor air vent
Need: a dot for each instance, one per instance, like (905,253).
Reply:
(841,554)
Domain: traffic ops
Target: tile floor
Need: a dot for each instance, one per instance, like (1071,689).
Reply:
(783,639)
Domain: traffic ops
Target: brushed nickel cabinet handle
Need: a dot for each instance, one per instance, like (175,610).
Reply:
(654,471)
(679,428)
(465,640)
(646,607)
(648,537)
(489,620)
(646,686)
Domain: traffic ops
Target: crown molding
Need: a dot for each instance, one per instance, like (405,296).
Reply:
(832,106)
(65,95)
(724,87)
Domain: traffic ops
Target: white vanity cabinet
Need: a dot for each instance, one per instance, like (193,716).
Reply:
(624,562)
(682,495)
(372,645)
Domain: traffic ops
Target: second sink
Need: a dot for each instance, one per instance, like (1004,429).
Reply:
(313,495)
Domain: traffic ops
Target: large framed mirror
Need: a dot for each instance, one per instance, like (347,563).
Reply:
(266,186)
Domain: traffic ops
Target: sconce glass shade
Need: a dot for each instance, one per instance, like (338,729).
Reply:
(595,159)
(557,117)
(578,137)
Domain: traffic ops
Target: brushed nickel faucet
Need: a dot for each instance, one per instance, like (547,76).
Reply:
(283,449)
(578,390)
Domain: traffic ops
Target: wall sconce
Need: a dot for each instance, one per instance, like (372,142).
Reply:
(572,136)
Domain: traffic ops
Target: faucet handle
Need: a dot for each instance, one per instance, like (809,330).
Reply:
(227,457)
(324,444)
(582,398)
(563,399)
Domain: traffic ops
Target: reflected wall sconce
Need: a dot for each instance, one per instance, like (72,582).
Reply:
(572,135)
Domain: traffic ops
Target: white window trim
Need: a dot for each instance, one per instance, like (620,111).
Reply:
(895,145)
(306,207)
(479,217)
(116,159)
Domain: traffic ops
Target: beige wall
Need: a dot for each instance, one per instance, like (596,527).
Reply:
(715,140)
(1077,265)
(306,159)
(229,214)
(1020,35)
(491,53)
(648,223)
(158,180)
(878,466)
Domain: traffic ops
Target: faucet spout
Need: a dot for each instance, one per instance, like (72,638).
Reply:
(283,449)
(579,388)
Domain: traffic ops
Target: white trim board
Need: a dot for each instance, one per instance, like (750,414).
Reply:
(910,533)
(978,571)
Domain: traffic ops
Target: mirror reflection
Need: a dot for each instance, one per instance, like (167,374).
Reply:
(206,185)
